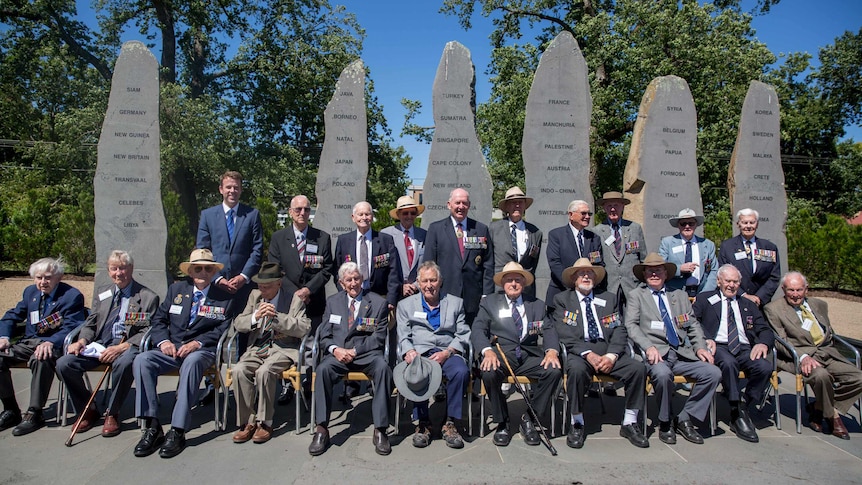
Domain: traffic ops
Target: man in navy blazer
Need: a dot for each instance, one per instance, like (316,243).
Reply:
(739,338)
(693,255)
(409,241)
(570,243)
(467,273)
(352,337)
(382,275)
(755,258)
(49,310)
(186,331)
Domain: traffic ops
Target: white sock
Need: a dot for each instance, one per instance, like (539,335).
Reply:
(630,417)
(578,419)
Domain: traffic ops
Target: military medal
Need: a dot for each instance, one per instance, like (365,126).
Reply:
(178,300)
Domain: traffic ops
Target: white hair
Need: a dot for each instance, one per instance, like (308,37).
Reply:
(575,203)
(747,212)
(48,265)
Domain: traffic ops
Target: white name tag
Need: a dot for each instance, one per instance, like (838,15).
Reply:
(714,299)
(34,317)
(600,302)
(105,295)
(678,249)
(420,315)
(505,313)
(335,319)
(740,255)
(806,325)
(656,325)
(311,248)
(176,309)
(610,240)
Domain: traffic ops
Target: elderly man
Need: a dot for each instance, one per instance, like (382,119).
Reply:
(276,322)
(49,310)
(660,321)
(462,248)
(570,243)
(755,258)
(111,335)
(432,324)
(516,240)
(623,246)
(186,330)
(590,326)
(804,323)
(692,255)
(352,337)
(409,241)
(739,339)
(516,320)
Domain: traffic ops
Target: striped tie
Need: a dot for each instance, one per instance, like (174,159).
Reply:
(732,332)
(300,247)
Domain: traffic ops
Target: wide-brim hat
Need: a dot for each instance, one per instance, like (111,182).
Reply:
(513,267)
(582,263)
(653,259)
(202,257)
(405,202)
(269,273)
(515,193)
(611,196)
(418,380)
(686,214)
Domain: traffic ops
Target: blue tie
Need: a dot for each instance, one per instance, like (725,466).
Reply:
(230,224)
(669,330)
(592,326)
(196,305)
(519,326)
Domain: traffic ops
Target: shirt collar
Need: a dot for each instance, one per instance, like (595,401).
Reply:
(225,208)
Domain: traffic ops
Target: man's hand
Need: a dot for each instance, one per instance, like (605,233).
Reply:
(704,355)
(688,267)
(440,357)
(410,355)
(75,348)
(4,343)
(551,359)
(168,348)
(224,284)
(188,348)
(490,361)
(710,344)
(265,310)
(305,294)
(237,282)
(759,351)
(111,353)
(753,298)
(44,351)
(653,356)
(408,289)
(345,356)
(807,365)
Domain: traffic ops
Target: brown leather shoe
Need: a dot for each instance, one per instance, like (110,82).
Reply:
(111,426)
(263,434)
(89,420)
(815,418)
(838,429)
(244,434)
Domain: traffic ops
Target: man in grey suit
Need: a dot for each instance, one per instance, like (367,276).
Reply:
(692,256)
(623,246)
(409,241)
(124,303)
(514,238)
(433,324)
(658,321)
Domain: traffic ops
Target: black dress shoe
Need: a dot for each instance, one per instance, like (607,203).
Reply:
(286,395)
(528,431)
(667,437)
(744,428)
(632,432)
(687,430)
(576,436)
(319,443)
(208,396)
(151,440)
(502,436)
(175,443)
(9,419)
(381,442)
(31,421)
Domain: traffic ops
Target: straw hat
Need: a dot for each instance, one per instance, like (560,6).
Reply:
(200,257)
(613,196)
(515,193)
(405,202)
(513,267)
(652,260)
(582,263)
(686,214)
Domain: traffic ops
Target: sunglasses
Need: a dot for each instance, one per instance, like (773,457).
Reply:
(301,209)
(688,223)
(657,270)
(408,213)
(202,269)
(583,213)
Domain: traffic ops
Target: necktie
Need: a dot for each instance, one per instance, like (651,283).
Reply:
(732,332)
(230,224)
(581,247)
(750,255)
(815,331)
(264,341)
(351,318)
(108,334)
(459,234)
(618,241)
(196,305)
(592,326)
(409,245)
(300,247)
(363,258)
(43,305)
(519,326)
(515,242)
(690,280)
(670,331)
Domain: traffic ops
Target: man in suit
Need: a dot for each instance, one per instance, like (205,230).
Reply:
(433,324)
(516,320)
(185,330)
(623,246)
(462,248)
(692,255)
(514,239)
(570,243)
(589,324)
(49,310)
(739,339)
(275,322)
(121,314)
(375,254)
(409,241)
(804,323)
(660,321)
(352,337)
(755,258)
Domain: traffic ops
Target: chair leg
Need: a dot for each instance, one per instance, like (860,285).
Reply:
(713,415)
(481,413)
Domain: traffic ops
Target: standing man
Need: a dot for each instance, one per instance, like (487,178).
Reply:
(462,249)
(755,258)
(409,241)
(49,310)
(123,308)
(570,243)
(623,246)
(516,240)
(692,256)
(660,321)
(739,339)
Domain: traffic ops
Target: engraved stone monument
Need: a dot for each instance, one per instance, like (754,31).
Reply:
(127,185)
(456,158)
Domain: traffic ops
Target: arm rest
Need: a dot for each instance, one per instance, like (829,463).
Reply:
(852,348)
(789,348)
(73,336)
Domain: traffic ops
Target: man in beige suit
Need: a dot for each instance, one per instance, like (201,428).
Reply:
(804,323)
(275,321)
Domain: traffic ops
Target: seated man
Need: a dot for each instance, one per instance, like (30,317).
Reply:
(121,315)
(590,326)
(49,310)
(804,323)
(434,325)
(276,322)
(516,321)
(186,331)
(660,321)
(739,339)
(352,337)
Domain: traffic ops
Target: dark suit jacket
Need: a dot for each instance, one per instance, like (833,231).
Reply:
(141,299)
(501,236)
(468,278)
(384,265)
(642,311)
(311,273)
(563,252)
(488,323)
(757,331)
(763,282)
(783,319)
(334,329)
(571,332)
(174,325)
(65,300)
(245,253)
(408,273)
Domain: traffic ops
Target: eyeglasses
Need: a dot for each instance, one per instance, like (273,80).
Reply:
(655,271)
(688,223)
(408,213)
(300,209)
(583,213)
(202,269)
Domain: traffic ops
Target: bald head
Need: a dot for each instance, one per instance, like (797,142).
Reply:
(459,204)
